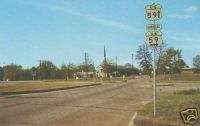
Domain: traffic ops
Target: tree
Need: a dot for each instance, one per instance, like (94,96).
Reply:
(125,69)
(144,57)
(171,61)
(1,73)
(196,63)
(87,65)
(106,67)
(34,73)
(47,69)
(160,65)
(86,68)
(13,72)
(26,74)
(69,70)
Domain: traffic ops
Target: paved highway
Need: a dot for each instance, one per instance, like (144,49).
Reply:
(102,105)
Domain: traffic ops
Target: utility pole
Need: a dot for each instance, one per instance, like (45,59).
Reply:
(116,71)
(85,59)
(94,72)
(68,72)
(104,53)
(86,64)
(132,61)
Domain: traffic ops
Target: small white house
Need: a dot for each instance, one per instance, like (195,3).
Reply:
(100,72)
(85,74)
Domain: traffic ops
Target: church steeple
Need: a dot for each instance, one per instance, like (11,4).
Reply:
(105,65)
(104,52)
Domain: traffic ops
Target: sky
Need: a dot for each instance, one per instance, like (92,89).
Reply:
(62,30)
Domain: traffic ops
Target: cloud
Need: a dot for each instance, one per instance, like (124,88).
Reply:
(111,23)
(93,18)
(180,16)
(191,9)
(186,41)
(98,20)
(187,13)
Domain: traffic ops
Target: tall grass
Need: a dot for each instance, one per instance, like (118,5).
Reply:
(189,92)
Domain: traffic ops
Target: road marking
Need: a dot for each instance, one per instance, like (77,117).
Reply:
(131,123)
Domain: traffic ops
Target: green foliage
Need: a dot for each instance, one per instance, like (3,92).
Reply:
(86,67)
(12,72)
(144,58)
(176,102)
(68,70)
(1,73)
(106,66)
(170,62)
(196,63)
(111,68)
(46,69)
(126,69)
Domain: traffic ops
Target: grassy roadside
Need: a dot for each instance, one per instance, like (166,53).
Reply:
(31,86)
(178,78)
(27,86)
(169,106)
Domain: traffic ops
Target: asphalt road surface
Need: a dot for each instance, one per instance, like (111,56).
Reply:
(102,105)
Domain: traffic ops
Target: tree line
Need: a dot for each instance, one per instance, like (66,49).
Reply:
(46,70)
(169,60)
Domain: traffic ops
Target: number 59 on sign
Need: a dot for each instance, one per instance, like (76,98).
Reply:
(154,38)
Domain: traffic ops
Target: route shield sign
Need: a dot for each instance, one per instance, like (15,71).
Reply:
(154,38)
(153,12)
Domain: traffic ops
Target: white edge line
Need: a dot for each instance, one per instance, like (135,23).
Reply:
(131,123)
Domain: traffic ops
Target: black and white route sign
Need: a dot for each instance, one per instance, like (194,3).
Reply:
(154,38)
(153,12)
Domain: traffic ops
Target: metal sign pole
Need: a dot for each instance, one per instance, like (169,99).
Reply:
(154,80)
(153,13)
(154,74)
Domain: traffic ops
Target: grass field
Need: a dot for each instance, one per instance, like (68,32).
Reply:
(27,86)
(36,85)
(178,77)
(169,106)
(175,93)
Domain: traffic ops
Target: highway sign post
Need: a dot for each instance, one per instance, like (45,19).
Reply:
(153,13)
